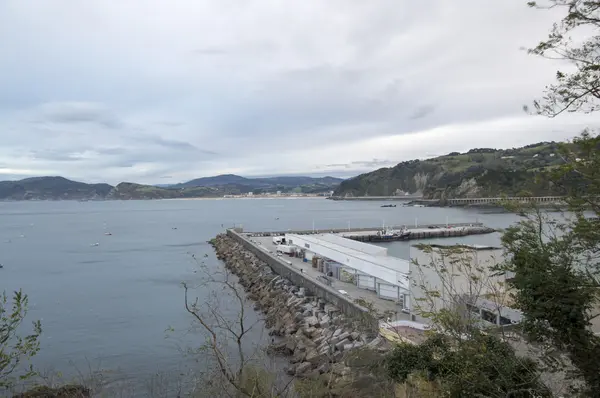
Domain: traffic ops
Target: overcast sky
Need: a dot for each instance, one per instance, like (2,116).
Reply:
(165,91)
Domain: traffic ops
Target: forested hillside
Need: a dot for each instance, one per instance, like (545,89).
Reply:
(481,172)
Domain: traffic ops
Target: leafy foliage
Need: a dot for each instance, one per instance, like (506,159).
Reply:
(462,355)
(578,90)
(13,347)
(556,269)
(555,264)
(482,365)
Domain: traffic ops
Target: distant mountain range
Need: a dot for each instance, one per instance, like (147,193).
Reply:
(480,172)
(60,188)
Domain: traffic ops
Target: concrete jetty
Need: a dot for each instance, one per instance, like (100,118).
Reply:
(370,234)
(311,323)
(420,233)
(457,202)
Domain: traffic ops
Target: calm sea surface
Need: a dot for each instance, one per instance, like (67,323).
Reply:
(107,306)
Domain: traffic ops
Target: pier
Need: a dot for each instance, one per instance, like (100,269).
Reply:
(458,202)
(420,233)
(403,197)
(342,269)
(370,234)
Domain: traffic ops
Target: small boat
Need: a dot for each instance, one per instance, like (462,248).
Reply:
(95,244)
(388,205)
(107,233)
(404,233)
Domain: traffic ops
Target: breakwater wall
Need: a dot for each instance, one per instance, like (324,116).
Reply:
(404,198)
(320,290)
(423,233)
(316,334)
(343,230)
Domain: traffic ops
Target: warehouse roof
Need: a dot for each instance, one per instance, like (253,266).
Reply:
(353,244)
(389,269)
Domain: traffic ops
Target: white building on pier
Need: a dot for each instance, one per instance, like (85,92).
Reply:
(368,266)
(461,276)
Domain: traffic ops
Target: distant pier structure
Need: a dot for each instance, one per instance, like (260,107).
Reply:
(460,201)
(374,234)
(514,199)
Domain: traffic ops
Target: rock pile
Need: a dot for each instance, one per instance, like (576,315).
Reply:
(315,335)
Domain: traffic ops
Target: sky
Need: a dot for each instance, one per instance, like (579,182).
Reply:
(164,91)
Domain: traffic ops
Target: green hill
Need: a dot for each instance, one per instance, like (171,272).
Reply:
(233,184)
(483,172)
(51,188)
(129,190)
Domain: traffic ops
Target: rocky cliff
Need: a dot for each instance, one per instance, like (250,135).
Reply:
(483,172)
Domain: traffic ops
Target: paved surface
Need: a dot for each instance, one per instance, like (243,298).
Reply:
(352,290)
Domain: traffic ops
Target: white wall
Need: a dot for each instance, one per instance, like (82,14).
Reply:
(363,263)
(286,249)
(366,282)
(388,292)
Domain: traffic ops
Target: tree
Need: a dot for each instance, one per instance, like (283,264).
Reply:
(555,259)
(577,90)
(556,269)
(462,356)
(481,366)
(224,319)
(13,347)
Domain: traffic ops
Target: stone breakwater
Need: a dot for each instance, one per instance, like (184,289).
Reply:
(315,335)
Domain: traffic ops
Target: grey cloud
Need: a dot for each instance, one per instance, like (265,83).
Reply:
(55,155)
(110,151)
(347,165)
(179,145)
(303,101)
(263,84)
(78,112)
(374,163)
(124,165)
(210,51)
(422,111)
(168,123)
